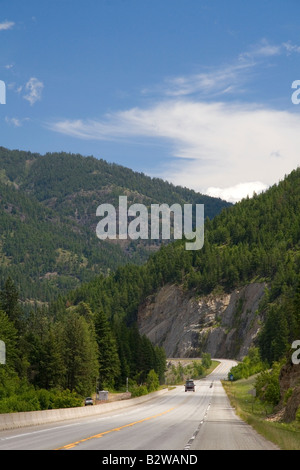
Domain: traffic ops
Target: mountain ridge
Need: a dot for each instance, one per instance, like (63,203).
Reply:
(252,245)
(254,241)
(55,196)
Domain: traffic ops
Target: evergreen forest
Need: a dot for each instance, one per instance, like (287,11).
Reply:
(78,331)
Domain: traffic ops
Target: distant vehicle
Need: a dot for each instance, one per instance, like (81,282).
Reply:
(189,386)
(88,401)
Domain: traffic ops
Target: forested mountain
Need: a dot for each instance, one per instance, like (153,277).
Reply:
(48,203)
(256,240)
(48,246)
(91,332)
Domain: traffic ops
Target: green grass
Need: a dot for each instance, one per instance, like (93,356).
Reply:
(285,435)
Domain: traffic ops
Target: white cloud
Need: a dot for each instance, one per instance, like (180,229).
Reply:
(210,82)
(214,145)
(224,149)
(34,88)
(261,50)
(265,49)
(16,122)
(237,192)
(291,47)
(6,25)
(216,81)
(14,87)
(226,79)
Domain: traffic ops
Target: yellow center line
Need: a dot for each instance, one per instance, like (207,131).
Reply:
(96,436)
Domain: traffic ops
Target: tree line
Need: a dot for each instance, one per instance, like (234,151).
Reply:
(257,240)
(69,357)
(48,203)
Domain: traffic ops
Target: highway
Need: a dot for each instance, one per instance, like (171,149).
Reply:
(176,420)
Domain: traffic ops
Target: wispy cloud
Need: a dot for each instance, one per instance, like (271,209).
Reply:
(34,89)
(209,82)
(223,148)
(261,50)
(16,122)
(289,47)
(14,87)
(227,79)
(216,81)
(6,25)
(264,49)
(214,145)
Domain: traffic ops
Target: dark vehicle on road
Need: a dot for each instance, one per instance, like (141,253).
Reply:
(189,386)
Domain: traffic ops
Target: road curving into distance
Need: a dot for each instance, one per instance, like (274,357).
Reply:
(176,420)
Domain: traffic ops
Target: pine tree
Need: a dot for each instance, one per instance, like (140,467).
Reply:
(109,362)
(80,354)
(51,365)
(274,336)
(9,302)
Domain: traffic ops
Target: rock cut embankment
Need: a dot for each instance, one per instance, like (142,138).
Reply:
(186,325)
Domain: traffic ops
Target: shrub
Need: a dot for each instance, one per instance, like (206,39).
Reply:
(267,385)
(152,381)
(206,360)
(45,399)
(66,399)
(250,365)
(138,390)
(27,401)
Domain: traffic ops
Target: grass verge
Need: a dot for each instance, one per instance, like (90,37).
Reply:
(240,393)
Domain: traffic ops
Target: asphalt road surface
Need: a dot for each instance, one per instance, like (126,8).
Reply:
(177,420)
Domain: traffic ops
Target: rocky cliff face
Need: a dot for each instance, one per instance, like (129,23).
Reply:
(185,325)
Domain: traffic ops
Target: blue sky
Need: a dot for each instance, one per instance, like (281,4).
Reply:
(197,92)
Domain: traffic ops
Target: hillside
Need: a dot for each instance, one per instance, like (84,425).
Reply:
(255,242)
(48,203)
(241,289)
